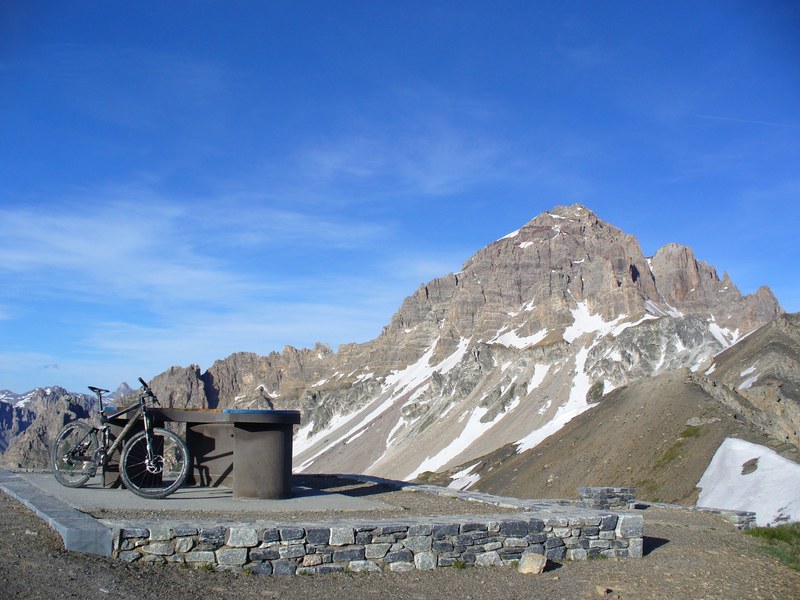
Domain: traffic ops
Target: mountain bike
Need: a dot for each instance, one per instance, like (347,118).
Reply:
(154,461)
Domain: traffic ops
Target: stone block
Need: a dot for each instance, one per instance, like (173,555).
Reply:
(232,556)
(401,567)
(404,555)
(514,528)
(129,556)
(259,554)
(442,531)
(438,546)
(159,548)
(577,554)
(292,533)
(417,543)
(160,534)
(292,551)
(201,556)
(319,536)
(421,529)
(214,536)
(285,567)
(536,538)
(531,563)
(349,554)
(184,544)
(608,522)
(391,528)
(133,532)
(636,548)
(425,561)
(488,559)
(363,537)
(271,535)
(342,536)
(312,560)
(376,550)
(630,526)
(535,525)
(325,569)
(242,537)
(363,566)
(260,568)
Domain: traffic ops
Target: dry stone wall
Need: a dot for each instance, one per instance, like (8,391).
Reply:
(419,543)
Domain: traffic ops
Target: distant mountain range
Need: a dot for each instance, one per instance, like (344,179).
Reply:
(542,332)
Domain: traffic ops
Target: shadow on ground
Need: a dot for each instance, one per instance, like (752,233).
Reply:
(653,543)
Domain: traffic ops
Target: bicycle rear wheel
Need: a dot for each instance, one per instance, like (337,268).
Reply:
(72,454)
(160,476)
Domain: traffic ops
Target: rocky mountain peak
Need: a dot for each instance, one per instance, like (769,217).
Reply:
(532,331)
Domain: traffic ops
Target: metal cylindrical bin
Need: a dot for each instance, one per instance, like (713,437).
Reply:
(262,467)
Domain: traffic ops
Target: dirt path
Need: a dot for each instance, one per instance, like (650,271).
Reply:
(33,564)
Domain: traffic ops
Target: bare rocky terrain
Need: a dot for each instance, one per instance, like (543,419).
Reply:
(34,564)
(530,329)
(665,430)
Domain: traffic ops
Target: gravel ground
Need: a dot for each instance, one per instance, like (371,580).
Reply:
(403,505)
(34,564)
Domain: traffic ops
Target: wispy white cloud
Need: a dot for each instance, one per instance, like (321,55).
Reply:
(420,140)
(162,252)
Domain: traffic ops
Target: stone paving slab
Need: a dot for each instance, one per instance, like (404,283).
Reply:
(94,497)
(80,532)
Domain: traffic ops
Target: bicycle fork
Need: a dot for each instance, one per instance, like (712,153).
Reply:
(151,463)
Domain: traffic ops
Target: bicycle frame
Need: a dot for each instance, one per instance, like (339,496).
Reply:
(154,461)
(133,420)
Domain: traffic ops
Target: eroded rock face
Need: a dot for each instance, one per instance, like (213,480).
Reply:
(760,378)
(512,343)
(53,407)
(532,331)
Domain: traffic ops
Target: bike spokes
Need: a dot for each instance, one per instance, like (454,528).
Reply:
(158,473)
(72,455)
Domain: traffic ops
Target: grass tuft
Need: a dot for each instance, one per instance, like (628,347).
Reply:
(782,541)
(691,432)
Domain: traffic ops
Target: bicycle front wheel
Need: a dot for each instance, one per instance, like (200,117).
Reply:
(160,474)
(72,454)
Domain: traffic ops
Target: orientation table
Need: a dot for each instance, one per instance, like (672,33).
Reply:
(248,450)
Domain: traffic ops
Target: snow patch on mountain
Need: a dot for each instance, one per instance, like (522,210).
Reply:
(465,479)
(723,335)
(474,429)
(512,339)
(539,373)
(747,476)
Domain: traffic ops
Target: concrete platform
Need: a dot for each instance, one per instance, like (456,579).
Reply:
(94,497)
(65,509)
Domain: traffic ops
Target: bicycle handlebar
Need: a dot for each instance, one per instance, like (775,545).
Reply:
(148,391)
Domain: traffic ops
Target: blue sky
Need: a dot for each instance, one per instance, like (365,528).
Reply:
(184,180)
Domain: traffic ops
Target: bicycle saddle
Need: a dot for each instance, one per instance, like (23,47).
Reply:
(98,390)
